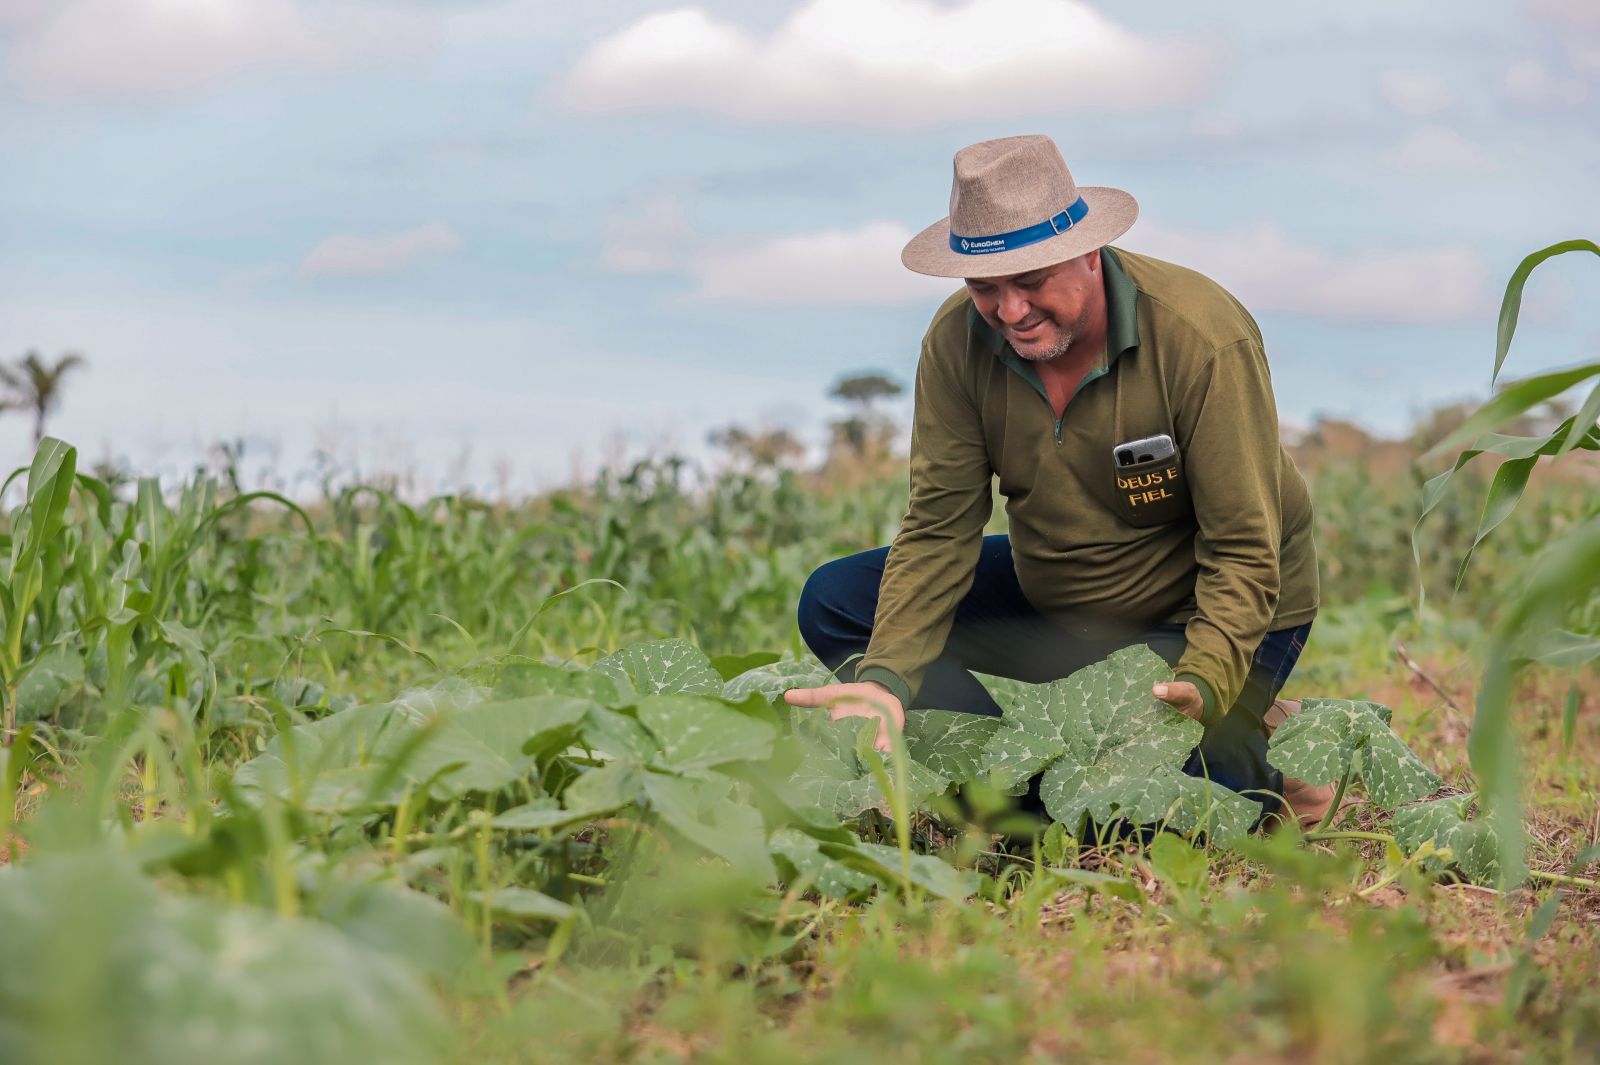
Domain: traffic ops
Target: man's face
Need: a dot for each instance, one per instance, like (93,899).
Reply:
(1043,312)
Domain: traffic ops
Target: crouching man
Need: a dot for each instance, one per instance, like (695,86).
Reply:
(1125,406)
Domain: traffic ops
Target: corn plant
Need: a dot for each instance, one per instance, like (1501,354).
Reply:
(1563,579)
(35,526)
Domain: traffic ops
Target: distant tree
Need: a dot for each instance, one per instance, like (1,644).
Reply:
(758,448)
(35,385)
(865,429)
(865,389)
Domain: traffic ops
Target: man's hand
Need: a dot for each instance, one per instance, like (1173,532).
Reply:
(1182,696)
(860,699)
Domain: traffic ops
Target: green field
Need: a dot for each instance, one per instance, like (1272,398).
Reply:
(359,779)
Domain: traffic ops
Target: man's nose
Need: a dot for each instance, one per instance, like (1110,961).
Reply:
(1013,308)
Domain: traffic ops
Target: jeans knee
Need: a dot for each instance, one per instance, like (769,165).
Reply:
(836,604)
(814,603)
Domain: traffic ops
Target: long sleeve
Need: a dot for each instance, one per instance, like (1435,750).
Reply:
(1228,427)
(934,554)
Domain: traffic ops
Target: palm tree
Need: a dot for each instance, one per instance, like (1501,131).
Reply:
(35,385)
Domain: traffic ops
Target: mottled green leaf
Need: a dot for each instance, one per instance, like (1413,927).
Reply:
(1102,716)
(481,748)
(539,678)
(661,667)
(603,788)
(827,875)
(616,735)
(329,765)
(1331,737)
(949,743)
(831,776)
(926,871)
(1109,750)
(696,733)
(1473,844)
(1003,690)
(776,678)
(701,812)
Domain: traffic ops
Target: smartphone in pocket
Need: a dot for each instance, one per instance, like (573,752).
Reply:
(1145,449)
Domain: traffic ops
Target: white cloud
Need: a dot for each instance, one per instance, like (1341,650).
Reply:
(833,267)
(649,237)
(121,50)
(858,266)
(1418,93)
(1435,147)
(1261,264)
(1270,271)
(348,255)
(891,62)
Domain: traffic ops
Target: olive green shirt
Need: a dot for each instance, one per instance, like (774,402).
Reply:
(1218,538)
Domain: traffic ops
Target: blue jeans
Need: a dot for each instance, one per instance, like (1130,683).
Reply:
(998,632)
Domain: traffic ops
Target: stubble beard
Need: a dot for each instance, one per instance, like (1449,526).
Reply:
(1061,345)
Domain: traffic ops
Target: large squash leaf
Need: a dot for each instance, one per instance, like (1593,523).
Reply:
(330,765)
(541,678)
(481,748)
(1109,749)
(364,756)
(829,876)
(661,667)
(831,776)
(949,743)
(775,679)
(1102,719)
(702,812)
(698,733)
(1332,737)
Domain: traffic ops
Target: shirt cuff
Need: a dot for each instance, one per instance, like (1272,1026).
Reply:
(889,679)
(1212,713)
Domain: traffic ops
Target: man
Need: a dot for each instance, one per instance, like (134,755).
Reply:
(1125,406)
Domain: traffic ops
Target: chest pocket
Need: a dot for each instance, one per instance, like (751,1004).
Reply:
(1151,493)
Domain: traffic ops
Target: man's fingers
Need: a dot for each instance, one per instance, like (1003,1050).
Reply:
(811,696)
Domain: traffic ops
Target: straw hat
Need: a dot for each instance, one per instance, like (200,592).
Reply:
(1014,207)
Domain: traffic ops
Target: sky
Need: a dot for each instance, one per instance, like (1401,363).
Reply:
(497,243)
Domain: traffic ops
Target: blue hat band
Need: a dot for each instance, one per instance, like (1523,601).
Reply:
(1021,238)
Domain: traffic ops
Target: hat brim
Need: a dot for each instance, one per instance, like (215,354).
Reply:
(1111,213)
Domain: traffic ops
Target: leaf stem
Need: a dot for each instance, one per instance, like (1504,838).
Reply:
(1338,796)
(1319,837)
(1558,878)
